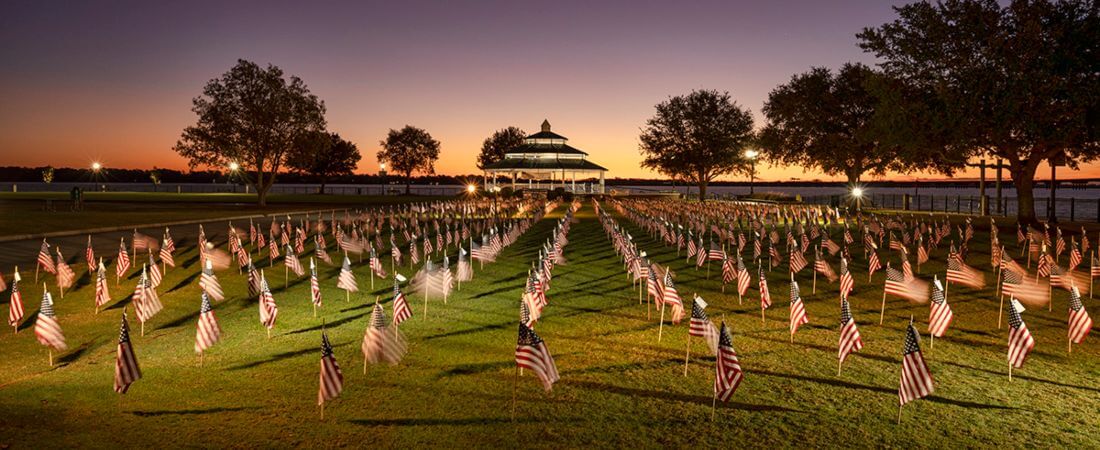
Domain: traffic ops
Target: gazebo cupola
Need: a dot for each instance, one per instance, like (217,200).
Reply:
(546,161)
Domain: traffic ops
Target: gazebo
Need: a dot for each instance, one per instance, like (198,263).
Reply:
(546,162)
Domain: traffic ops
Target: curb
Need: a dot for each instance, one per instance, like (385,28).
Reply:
(36,236)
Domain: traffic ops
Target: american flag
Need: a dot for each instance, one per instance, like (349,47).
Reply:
(797,261)
(292,262)
(46,328)
(463,270)
(45,260)
(822,266)
(911,289)
(208,332)
(332,379)
(376,264)
(1043,267)
(701,257)
(146,302)
(321,252)
(414,258)
(1079,321)
(532,354)
(102,295)
(1020,341)
(1074,255)
(155,276)
(401,310)
(272,248)
(700,324)
(765,296)
(940,315)
(89,255)
(873,264)
(798,309)
(729,271)
(253,280)
(65,274)
(1015,285)
(122,263)
(916,379)
(166,250)
(671,297)
(727,374)
(847,283)
(126,365)
(959,272)
(380,345)
(850,341)
(346,280)
(395,251)
(209,282)
(653,286)
(743,277)
(15,302)
(716,253)
(269,311)
(692,249)
(314,284)
(1094,269)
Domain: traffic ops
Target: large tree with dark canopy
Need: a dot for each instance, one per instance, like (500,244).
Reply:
(492,150)
(252,116)
(408,150)
(697,137)
(1017,83)
(324,154)
(825,121)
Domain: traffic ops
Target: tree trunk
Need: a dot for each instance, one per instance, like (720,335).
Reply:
(702,189)
(1023,178)
(322,190)
(408,183)
(263,186)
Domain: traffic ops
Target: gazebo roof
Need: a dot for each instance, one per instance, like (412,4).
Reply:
(544,164)
(546,148)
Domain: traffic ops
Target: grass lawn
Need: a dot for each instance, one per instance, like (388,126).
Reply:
(25,212)
(620,387)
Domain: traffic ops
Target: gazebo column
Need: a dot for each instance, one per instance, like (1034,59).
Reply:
(513,181)
(601,182)
(574,182)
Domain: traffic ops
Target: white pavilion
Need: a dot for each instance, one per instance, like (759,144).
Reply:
(545,161)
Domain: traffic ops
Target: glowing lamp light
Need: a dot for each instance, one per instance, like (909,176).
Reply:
(96,166)
(382,166)
(751,154)
(857,192)
(234,166)
(471,188)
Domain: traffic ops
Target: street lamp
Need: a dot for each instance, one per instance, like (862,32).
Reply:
(471,189)
(751,155)
(382,176)
(96,166)
(857,193)
(233,166)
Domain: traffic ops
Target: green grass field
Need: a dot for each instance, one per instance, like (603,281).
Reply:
(620,387)
(26,212)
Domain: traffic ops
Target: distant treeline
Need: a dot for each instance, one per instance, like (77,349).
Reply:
(68,174)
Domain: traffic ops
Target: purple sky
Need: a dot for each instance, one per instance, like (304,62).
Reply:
(114,80)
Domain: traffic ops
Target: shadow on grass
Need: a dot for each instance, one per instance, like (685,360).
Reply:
(470,369)
(1023,377)
(77,353)
(332,324)
(187,412)
(28,321)
(686,398)
(444,422)
(274,358)
(186,281)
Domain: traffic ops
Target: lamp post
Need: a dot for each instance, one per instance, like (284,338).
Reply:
(382,176)
(857,193)
(751,155)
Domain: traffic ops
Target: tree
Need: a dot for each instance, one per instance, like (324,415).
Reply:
(825,121)
(492,150)
(408,150)
(324,154)
(252,116)
(697,137)
(976,79)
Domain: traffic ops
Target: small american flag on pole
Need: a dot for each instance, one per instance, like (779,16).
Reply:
(314,284)
(701,325)
(850,340)
(401,310)
(332,379)
(46,329)
(346,279)
(126,365)
(916,379)
(292,262)
(1020,341)
(269,311)
(379,345)
(727,373)
(209,282)
(15,302)
(798,310)
(122,263)
(65,274)
(765,296)
(208,332)
(532,354)
(940,316)
(1079,321)
(45,260)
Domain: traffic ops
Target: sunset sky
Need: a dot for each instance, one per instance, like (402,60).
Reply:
(114,81)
